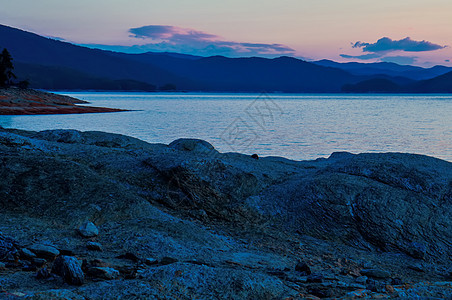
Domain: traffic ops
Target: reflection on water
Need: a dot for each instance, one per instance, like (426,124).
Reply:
(6,121)
(294,126)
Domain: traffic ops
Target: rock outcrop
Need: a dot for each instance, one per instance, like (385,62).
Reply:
(15,101)
(196,223)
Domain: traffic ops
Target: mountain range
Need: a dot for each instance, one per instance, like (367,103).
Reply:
(55,65)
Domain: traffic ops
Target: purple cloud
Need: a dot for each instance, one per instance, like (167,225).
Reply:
(386,44)
(173,33)
(184,40)
(400,60)
(362,57)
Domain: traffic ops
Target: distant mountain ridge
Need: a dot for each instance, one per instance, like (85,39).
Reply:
(385,68)
(52,64)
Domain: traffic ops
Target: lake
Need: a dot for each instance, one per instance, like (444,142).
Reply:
(294,126)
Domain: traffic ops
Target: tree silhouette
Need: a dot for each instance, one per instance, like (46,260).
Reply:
(6,69)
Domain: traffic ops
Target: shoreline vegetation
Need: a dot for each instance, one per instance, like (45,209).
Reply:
(16,101)
(94,215)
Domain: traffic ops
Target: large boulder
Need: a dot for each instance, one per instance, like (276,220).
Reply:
(195,145)
(70,269)
(395,202)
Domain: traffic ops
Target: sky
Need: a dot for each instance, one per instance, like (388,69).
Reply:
(417,32)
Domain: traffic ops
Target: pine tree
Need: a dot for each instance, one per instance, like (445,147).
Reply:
(6,69)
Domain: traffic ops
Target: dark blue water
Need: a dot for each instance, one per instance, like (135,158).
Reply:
(293,126)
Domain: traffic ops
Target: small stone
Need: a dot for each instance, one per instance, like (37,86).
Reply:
(375,273)
(88,230)
(168,260)
(129,256)
(361,279)
(375,286)
(150,261)
(303,268)
(315,278)
(390,288)
(94,246)
(27,254)
(103,272)
(44,251)
(70,269)
(417,250)
(255,156)
(43,274)
(39,262)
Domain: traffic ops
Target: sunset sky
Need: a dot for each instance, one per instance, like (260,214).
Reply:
(405,31)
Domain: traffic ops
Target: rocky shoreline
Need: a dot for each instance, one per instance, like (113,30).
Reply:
(15,101)
(92,215)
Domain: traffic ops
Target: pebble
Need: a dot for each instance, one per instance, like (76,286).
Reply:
(417,250)
(361,279)
(69,268)
(303,267)
(375,273)
(94,246)
(39,262)
(27,254)
(44,251)
(88,230)
(390,288)
(375,286)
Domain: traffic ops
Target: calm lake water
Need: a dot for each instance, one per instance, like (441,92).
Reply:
(293,126)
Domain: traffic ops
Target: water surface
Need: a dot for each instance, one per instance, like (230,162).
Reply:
(293,126)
